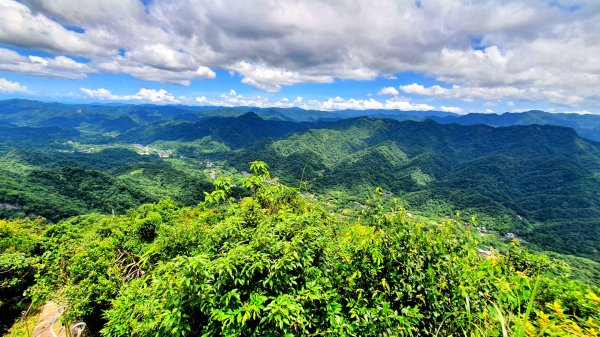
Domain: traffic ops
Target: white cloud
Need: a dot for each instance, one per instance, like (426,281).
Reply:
(160,96)
(155,96)
(453,109)
(388,91)
(580,112)
(339,103)
(9,87)
(470,94)
(271,79)
(183,77)
(58,66)
(233,98)
(509,49)
(403,104)
(162,57)
(21,27)
(100,93)
(334,103)
(330,104)
(489,111)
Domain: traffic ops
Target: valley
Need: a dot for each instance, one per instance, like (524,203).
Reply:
(345,168)
(538,185)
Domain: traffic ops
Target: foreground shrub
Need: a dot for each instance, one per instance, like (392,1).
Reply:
(275,264)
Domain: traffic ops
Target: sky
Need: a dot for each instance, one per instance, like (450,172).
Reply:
(459,56)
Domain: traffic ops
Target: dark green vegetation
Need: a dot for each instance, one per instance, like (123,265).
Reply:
(119,118)
(275,263)
(233,132)
(588,126)
(59,185)
(77,165)
(541,182)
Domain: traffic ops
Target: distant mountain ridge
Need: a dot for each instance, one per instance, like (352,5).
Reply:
(541,181)
(588,126)
(97,117)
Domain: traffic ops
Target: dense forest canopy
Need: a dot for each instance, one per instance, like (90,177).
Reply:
(348,168)
(275,262)
(540,182)
(111,208)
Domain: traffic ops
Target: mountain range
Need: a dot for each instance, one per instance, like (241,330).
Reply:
(524,173)
(123,117)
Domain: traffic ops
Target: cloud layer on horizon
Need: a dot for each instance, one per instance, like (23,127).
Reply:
(541,51)
(232,98)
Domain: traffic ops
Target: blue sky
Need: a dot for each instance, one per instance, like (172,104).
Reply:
(424,55)
(69,90)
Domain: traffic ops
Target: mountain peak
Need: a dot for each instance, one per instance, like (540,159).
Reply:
(250,115)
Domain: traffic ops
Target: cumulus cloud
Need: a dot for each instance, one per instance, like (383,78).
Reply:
(155,96)
(453,109)
(469,94)
(388,91)
(160,96)
(580,112)
(511,49)
(22,27)
(101,93)
(145,72)
(201,100)
(334,103)
(58,66)
(339,103)
(9,87)
(403,104)
(233,98)
(271,79)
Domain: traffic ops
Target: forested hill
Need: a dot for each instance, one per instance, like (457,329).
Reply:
(540,181)
(278,263)
(123,117)
(385,219)
(588,126)
(233,131)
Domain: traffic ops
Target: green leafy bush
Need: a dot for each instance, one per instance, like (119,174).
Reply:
(275,263)
(19,251)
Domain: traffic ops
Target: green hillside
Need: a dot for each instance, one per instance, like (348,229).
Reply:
(62,184)
(120,118)
(540,182)
(82,223)
(588,126)
(275,263)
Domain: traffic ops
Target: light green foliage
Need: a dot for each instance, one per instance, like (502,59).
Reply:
(19,248)
(367,268)
(275,263)
(420,178)
(539,182)
(536,182)
(60,185)
(196,148)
